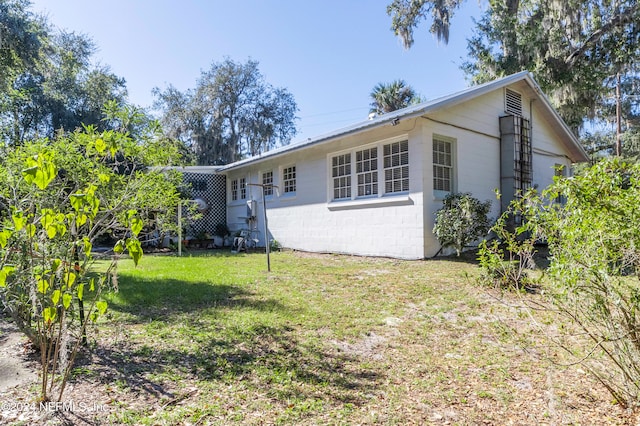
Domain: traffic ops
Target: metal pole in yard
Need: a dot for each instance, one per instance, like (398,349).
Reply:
(264,219)
(266,236)
(179,228)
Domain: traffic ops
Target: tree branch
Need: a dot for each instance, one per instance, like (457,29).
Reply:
(625,17)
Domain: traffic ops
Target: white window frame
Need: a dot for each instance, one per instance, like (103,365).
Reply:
(341,176)
(243,188)
(395,167)
(367,172)
(267,183)
(367,178)
(561,171)
(289,182)
(437,165)
(234,189)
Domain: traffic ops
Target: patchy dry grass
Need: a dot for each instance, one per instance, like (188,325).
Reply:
(324,339)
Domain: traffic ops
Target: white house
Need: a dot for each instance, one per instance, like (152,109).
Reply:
(373,188)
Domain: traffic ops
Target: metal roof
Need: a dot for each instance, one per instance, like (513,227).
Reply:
(579,154)
(192,169)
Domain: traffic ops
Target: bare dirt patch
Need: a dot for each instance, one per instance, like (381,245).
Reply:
(16,367)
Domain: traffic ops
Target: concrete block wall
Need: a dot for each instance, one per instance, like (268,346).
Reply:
(391,225)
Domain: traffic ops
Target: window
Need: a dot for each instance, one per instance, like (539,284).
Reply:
(374,171)
(396,167)
(289,179)
(442,164)
(234,190)
(341,173)
(267,182)
(367,172)
(243,188)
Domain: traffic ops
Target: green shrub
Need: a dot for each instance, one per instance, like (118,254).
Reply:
(593,240)
(462,220)
(507,259)
(275,245)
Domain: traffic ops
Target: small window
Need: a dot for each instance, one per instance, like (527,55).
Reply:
(512,102)
(442,165)
(234,190)
(396,167)
(289,179)
(267,183)
(243,189)
(367,172)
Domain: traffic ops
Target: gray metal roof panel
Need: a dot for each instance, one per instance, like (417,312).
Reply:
(416,111)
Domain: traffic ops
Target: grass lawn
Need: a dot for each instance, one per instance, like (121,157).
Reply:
(324,339)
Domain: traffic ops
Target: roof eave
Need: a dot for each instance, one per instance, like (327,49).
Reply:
(575,148)
(578,151)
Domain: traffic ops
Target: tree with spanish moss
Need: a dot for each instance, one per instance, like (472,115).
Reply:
(232,113)
(575,48)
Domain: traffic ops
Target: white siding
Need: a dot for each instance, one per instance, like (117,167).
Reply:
(547,152)
(394,225)
(391,225)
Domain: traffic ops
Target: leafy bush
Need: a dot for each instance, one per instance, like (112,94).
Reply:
(592,279)
(507,259)
(462,220)
(275,245)
(221,230)
(56,198)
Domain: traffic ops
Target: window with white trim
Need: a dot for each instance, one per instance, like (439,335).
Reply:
(243,188)
(367,172)
(364,173)
(442,164)
(289,179)
(267,183)
(234,190)
(396,167)
(341,174)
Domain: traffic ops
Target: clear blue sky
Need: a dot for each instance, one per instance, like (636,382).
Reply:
(328,53)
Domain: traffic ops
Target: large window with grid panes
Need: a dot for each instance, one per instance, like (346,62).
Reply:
(341,173)
(442,164)
(267,183)
(289,180)
(234,189)
(371,171)
(243,188)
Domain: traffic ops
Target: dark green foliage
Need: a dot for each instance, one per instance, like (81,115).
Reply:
(506,259)
(221,230)
(47,82)
(462,220)
(575,48)
(230,114)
